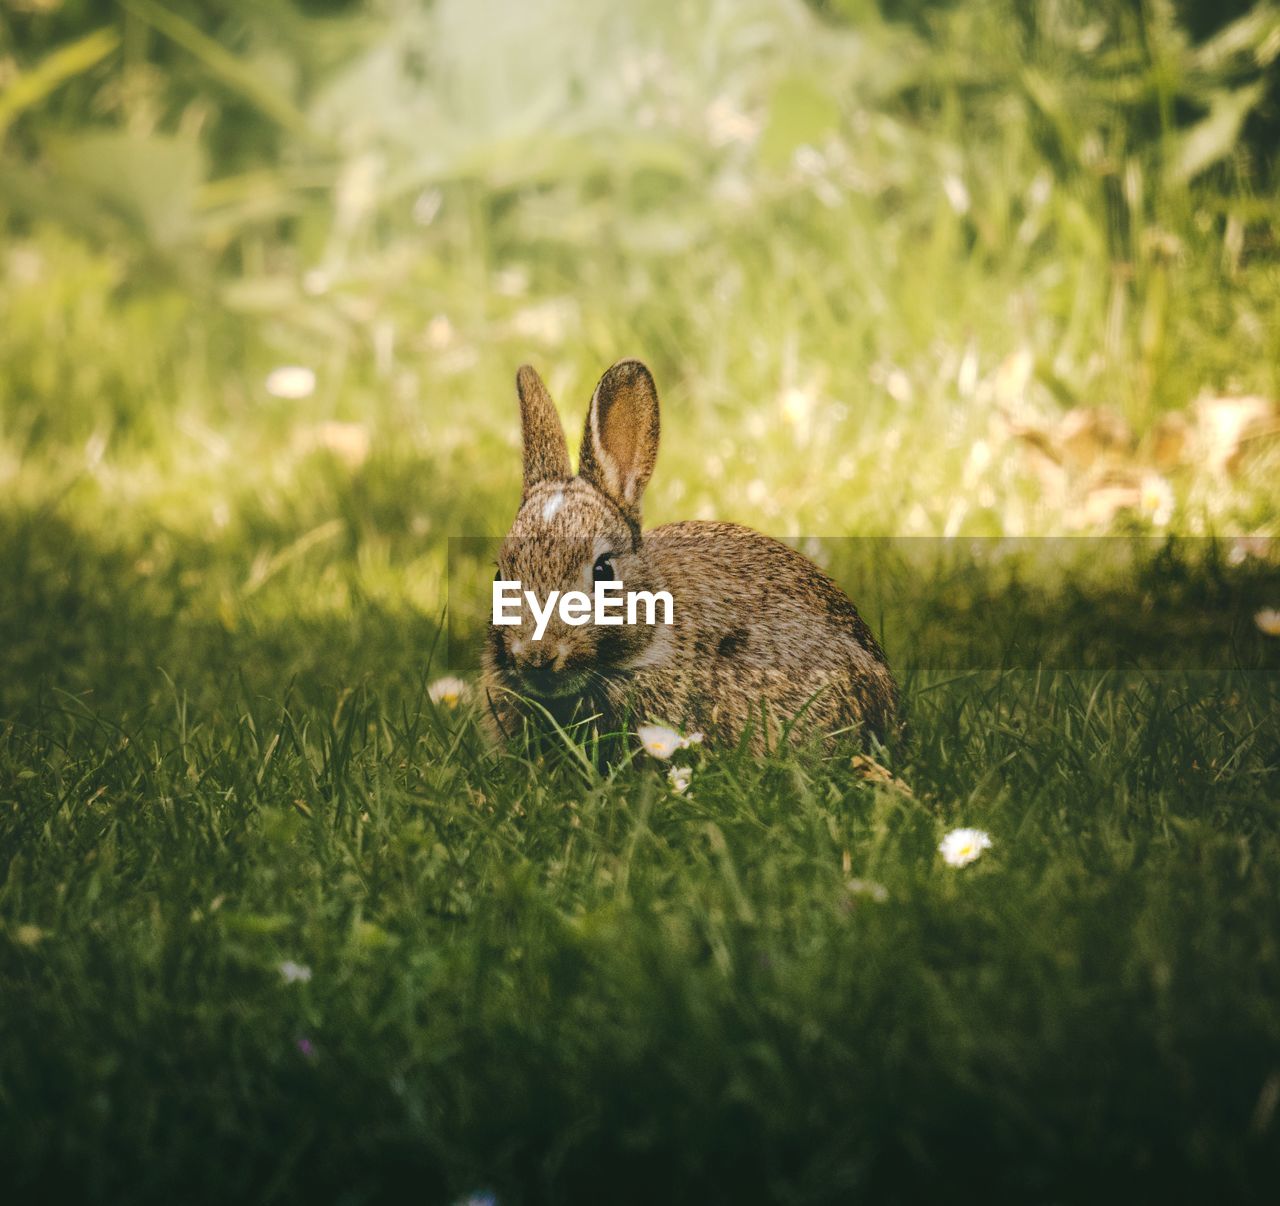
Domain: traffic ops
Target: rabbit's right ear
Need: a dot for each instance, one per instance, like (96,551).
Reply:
(546,455)
(620,443)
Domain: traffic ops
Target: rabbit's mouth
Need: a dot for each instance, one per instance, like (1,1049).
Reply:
(547,683)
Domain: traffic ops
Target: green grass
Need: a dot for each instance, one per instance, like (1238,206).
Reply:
(221,610)
(566,986)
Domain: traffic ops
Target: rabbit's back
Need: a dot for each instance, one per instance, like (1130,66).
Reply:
(757,622)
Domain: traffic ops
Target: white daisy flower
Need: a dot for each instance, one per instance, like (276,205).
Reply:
(449,691)
(798,405)
(291,381)
(680,777)
(294,973)
(961,846)
(661,741)
(1268,621)
(1155,500)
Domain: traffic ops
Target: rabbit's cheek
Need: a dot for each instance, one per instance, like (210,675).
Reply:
(613,645)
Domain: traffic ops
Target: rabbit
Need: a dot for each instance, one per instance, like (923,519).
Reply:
(762,644)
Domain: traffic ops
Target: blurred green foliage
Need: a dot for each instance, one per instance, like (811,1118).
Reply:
(757,199)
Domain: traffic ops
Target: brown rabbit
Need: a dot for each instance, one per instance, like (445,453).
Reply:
(761,638)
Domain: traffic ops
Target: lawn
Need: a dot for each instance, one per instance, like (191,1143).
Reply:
(977,303)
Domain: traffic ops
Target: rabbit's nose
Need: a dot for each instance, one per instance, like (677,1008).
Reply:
(541,665)
(539,676)
(537,657)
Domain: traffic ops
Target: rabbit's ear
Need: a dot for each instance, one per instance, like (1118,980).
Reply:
(546,455)
(620,443)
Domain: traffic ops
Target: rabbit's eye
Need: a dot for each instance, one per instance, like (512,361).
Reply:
(602,571)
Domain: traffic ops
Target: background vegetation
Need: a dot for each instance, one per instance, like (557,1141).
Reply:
(275,923)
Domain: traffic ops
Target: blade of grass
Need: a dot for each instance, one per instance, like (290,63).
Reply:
(31,87)
(222,64)
(1216,136)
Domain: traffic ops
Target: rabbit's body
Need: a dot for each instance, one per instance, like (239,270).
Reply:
(761,638)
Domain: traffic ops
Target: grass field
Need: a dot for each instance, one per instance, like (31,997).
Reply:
(980,305)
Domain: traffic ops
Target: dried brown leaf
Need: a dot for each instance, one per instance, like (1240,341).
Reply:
(1227,424)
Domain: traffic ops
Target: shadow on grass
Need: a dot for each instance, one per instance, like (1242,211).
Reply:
(594,991)
(124,636)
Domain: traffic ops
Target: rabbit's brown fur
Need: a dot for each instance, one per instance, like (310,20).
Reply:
(761,637)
